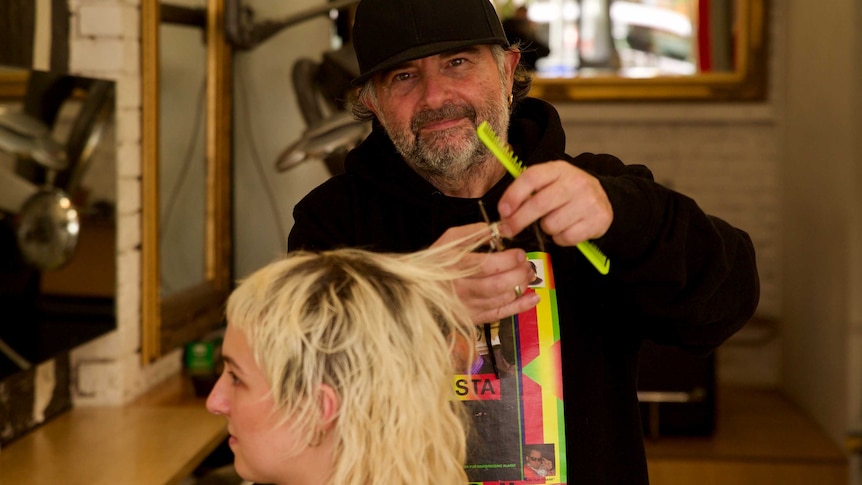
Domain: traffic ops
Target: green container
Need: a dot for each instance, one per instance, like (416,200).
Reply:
(200,358)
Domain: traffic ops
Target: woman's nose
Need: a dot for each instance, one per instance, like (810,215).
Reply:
(216,401)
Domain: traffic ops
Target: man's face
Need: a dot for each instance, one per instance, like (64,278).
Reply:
(534,459)
(431,107)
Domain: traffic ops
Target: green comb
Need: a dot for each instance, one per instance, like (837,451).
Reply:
(506,157)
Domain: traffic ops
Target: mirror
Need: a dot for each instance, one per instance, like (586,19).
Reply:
(57,214)
(186,146)
(614,50)
(643,50)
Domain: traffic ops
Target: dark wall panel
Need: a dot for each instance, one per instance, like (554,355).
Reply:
(18,33)
(17,28)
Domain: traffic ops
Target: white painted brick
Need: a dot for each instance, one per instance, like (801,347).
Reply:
(131,22)
(128,302)
(128,299)
(98,382)
(128,328)
(129,159)
(129,270)
(102,19)
(131,56)
(74,5)
(97,56)
(128,128)
(128,196)
(129,274)
(128,92)
(128,232)
(108,18)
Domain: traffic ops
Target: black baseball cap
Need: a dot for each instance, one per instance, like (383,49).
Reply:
(387,33)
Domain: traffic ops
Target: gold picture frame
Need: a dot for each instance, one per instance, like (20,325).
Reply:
(170,322)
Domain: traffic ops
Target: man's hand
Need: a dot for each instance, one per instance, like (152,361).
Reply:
(490,294)
(570,204)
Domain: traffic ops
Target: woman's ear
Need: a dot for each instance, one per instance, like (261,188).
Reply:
(330,404)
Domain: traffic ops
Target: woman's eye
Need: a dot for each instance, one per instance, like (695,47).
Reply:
(234,379)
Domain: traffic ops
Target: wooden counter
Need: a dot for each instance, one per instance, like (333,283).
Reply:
(761,438)
(159,439)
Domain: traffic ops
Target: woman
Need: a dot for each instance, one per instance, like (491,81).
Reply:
(338,370)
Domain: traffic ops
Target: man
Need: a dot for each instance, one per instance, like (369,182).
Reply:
(430,73)
(537,466)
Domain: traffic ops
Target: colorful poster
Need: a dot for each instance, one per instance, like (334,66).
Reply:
(515,395)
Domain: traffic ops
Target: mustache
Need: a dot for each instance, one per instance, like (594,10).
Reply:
(447,112)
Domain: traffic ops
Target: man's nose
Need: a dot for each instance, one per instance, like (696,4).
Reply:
(436,88)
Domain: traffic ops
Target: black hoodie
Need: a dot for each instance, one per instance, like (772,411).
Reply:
(678,276)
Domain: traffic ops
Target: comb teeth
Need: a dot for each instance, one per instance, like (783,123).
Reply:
(500,150)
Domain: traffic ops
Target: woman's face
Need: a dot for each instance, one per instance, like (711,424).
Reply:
(265,449)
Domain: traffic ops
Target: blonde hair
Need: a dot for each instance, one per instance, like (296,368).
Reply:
(381,330)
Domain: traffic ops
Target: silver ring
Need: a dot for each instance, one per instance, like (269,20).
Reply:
(518,291)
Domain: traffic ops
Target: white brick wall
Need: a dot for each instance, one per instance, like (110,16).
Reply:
(105,43)
(103,19)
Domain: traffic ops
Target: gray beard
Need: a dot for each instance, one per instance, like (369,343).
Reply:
(449,153)
(449,158)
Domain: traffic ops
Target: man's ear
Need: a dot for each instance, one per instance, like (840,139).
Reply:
(513,57)
(329,403)
(368,104)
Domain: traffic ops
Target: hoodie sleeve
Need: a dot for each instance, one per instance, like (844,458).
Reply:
(692,277)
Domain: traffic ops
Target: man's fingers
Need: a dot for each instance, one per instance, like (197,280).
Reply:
(570,204)
(522,304)
(500,288)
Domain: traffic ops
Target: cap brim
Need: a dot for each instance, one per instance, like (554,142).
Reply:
(420,51)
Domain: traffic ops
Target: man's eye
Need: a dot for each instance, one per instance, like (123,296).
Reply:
(401,76)
(457,61)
